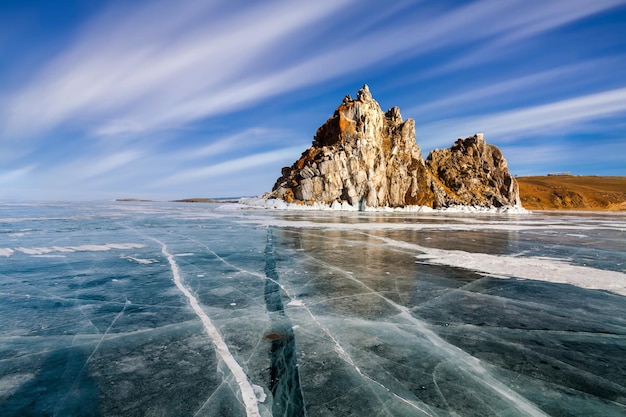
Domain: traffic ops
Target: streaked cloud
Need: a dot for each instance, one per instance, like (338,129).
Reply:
(166,66)
(504,92)
(521,22)
(241,141)
(234,165)
(109,163)
(158,59)
(540,159)
(566,115)
(12,175)
(163,96)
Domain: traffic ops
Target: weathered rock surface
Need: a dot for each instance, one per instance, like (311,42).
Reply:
(474,173)
(367,157)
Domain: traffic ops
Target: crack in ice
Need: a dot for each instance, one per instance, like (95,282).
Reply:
(239,269)
(472,365)
(95,349)
(247,391)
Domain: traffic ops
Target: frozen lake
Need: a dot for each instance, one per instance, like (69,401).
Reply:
(157,309)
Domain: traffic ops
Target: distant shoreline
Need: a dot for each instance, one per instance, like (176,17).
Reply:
(554,192)
(184,200)
(206,200)
(565,192)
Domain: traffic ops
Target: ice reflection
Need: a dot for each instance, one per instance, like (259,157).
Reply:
(448,340)
(284,376)
(319,314)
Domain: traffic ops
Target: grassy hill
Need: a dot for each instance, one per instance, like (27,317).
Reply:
(570,192)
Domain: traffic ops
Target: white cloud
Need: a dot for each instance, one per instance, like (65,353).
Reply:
(545,16)
(285,155)
(110,163)
(97,164)
(155,59)
(502,91)
(525,159)
(581,157)
(159,65)
(241,141)
(505,126)
(520,22)
(120,126)
(150,66)
(11,176)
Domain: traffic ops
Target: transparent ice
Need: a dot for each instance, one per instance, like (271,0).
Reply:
(157,309)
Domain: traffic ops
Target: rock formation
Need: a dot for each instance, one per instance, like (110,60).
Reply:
(366,157)
(474,173)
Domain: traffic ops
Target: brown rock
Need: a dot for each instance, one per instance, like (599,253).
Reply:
(475,173)
(369,158)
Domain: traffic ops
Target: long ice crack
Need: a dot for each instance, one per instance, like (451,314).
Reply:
(247,390)
(472,365)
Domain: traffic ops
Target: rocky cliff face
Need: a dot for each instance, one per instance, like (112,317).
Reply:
(474,172)
(368,157)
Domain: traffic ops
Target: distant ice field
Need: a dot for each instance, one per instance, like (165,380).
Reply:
(135,309)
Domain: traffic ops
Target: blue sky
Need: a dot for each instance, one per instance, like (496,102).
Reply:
(174,99)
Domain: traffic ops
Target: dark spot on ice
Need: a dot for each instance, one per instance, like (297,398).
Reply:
(274,336)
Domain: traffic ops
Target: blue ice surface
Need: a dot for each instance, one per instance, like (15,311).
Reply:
(325,314)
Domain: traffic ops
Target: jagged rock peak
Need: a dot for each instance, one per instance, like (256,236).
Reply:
(361,156)
(364,94)
(365,157)
(475,173)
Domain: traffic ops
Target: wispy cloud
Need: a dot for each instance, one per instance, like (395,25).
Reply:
(94,169)
(247,140)
(531,21)
(164,66)
(490,92)
(505,126)
(12,175)
(518,23)
(132,99)
(578,158)
(158,57)
(108,163)
(234,165)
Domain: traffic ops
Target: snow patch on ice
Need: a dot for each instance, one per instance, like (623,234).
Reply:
(105,247)
(69,249)
(33,251)
(278,204)
(260,393)
(481,209)
(139,260)
(124,245)
(91,248)
(534,268)
(62,249)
